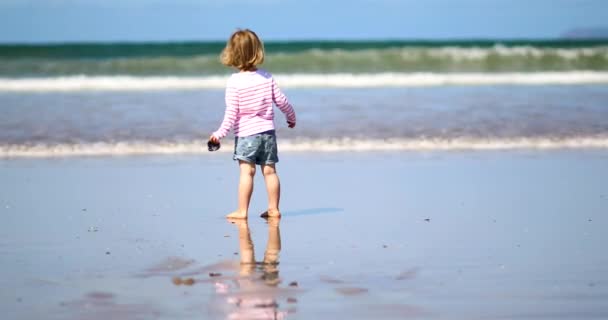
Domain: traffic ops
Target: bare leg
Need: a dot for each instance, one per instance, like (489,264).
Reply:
(273,187)
(245,189)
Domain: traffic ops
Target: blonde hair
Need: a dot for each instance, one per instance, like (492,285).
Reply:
(244,50)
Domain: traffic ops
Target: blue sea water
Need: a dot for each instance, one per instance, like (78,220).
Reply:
(201,58)
(111,99)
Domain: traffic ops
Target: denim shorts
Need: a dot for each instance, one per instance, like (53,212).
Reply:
(260,148)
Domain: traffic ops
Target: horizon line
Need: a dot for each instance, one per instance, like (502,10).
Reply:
(306,40)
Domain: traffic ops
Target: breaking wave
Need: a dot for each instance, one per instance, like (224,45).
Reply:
(340,80)
(308,145)
(201,59)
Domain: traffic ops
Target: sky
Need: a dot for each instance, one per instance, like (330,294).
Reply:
(36,21)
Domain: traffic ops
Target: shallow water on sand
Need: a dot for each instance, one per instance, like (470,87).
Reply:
(385,236)
(436,118)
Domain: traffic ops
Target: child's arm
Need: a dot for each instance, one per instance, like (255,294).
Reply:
(232,109)
(283,104)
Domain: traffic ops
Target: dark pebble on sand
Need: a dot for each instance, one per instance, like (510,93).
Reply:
(107,252)
(293,284)
(384,246)
(427,220)
(214,274)
(351,291)
(235,253)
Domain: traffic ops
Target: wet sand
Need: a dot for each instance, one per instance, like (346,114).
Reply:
(471,235)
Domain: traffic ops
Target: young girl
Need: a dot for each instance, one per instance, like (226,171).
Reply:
(250,94)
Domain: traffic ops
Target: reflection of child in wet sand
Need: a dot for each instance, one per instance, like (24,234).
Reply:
(250,95)
(253,298)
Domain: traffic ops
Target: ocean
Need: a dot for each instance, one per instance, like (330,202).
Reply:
(102,99)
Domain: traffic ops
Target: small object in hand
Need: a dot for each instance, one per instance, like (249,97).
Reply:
(212,146)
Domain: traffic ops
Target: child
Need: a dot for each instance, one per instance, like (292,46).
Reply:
(250,94)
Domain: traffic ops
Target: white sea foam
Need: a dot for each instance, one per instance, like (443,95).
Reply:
(343,80)
(479,53)
(455,53)
(324,146)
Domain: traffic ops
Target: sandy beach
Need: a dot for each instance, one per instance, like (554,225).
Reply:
(438,160)
(388,235)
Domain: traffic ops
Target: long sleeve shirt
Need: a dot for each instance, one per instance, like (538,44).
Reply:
(249,104)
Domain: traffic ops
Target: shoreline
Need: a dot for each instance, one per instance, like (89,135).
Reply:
(302,146)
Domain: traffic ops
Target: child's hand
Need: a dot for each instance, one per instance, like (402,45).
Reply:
(214,139)
(291,124)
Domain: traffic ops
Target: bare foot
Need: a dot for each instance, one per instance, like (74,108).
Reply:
(237,215)
(271,213)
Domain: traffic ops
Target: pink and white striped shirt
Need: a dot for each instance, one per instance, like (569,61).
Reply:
(249,99)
